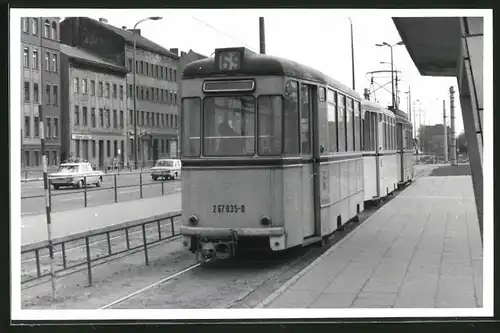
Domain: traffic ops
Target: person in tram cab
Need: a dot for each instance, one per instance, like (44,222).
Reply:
(231,143)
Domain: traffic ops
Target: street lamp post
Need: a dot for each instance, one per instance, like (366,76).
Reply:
(352,57)
(392,68)
(152,18)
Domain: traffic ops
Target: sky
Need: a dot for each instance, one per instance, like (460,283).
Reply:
(322,40)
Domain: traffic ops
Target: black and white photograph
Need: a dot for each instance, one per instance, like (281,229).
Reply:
(280,163)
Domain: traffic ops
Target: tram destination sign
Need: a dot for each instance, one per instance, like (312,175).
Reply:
(233,85)
(230,59)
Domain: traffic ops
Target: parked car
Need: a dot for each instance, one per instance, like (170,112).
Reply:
(166,168)
(75,175)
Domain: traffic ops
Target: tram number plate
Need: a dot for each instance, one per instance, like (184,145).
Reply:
(228,209)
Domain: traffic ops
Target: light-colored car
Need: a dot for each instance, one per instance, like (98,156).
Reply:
(167,168)
(75,175)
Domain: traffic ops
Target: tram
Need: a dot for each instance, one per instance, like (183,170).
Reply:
(406,160)
(272,154)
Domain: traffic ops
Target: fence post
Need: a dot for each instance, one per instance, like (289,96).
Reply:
(162,181)
(140,184)
(172,225)
(85,189)
(145,244)
(89,266)
(116,192)
(50,195)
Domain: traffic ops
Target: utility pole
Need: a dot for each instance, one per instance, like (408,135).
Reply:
(445,133)
(453,140)
(352,57)
(262,36)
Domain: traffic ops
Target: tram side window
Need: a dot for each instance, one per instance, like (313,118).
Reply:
(332,120)
(270,115)
(400,135)
(374,131)
(349,125)
(229,126)
(291,123)
(341,123)
(386,132)
(357,127)
(305,123)
(190,124)
(367,128)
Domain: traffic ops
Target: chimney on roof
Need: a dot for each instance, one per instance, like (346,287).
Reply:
(183,54)
(124,27)
(175,50)
(137,31)
(103,20)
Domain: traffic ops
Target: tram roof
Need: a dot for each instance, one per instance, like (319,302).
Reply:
(377,108)
(255,64)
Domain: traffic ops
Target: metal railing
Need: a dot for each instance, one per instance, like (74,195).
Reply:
(85,190)
(151,231)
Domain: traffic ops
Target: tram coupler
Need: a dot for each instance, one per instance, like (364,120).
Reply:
(216,249)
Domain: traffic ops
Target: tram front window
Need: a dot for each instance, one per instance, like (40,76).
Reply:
(229,126)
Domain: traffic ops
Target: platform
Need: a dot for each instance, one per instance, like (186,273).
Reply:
(34,228)
(421,250)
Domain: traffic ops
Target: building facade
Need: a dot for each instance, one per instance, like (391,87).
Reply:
(94,108)
(157,83)
(40,68)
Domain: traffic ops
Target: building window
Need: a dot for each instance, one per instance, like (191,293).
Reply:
(56,95)
(100,89)
(170,74)
(26,91)
(147,118)
(130,64)
(25,24)
(49,127)
(92,117)
(77,148)
(121,119)
(47,61)
(130,91)
(115,119)
(147,94)
(35,59)
(114,91)
(152,119)
(163,120)
(176,125)
(175,75)
(56,127)
(37,127)
(142,118)
(47,94)
(136,67)
(36,93)
(121,92)
(137,91)
(175,98)
(27,158)
(84,116)
(106,91)
(26,57)
(37,158)
(84,86)
(35,26)
(170,97)
(47,29)
(101,118)
(92,143)
(115,146)
(54,30)
(76,85)
(92,88)
(77,115)
(108,144)
(54,62)
(131,117)
(157,120)
(108,118)
(27,126)
(142,93)
(157,71)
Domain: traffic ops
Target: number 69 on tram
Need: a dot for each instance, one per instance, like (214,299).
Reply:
(271,154)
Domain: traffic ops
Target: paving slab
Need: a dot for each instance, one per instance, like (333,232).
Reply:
(34,228)
(421,250)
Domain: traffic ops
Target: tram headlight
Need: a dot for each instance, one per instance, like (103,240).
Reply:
(193,219)
(265,220)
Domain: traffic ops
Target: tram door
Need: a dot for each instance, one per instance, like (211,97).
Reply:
(310,152)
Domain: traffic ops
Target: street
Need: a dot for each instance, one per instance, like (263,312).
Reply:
(69,198)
